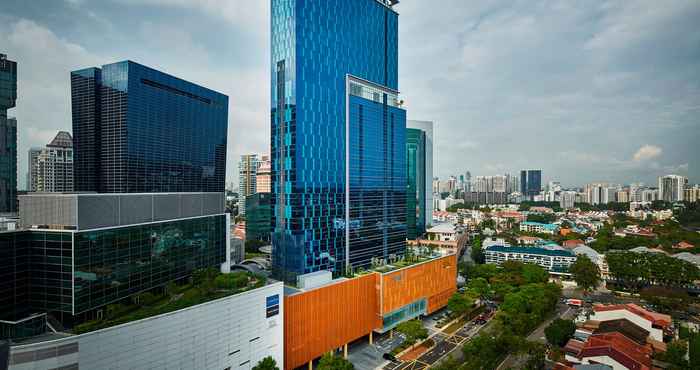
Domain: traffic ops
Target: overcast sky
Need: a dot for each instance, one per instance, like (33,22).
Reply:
(587,91)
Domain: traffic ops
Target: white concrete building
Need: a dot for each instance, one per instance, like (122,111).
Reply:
(672,188)
(555,260)
(567,199)
(442,232)
(233,332)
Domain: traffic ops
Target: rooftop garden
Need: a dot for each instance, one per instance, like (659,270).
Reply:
(204,286)
(413,255)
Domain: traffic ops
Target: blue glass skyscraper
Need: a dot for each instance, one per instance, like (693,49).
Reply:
(140,130)
(338,136)
(530,183)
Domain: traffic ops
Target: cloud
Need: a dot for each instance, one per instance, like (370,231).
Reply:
(573,88)
(43,102)
(647,152)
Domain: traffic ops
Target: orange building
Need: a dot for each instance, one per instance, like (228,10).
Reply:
(328,317)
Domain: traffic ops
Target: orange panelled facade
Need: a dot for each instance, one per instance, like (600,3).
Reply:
(326,318)
(435,280)
(322,319)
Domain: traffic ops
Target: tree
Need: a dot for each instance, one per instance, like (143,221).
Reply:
(694,351)
(559,332)
(666,299)
(447,364)
(413,330)
(534,274)
(585,272)
(485,351)
(675,355)
(477,251)
(484,271)
(330,362)
(636,270)
(479,286)
(267,363)
(459,303)
(536,355)
(544,218)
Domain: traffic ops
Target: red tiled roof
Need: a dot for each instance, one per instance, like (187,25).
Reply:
(656,318)
(683,245)
(573,346)
(619,348)
(573,243)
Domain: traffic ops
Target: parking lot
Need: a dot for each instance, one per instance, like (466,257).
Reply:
(444,345)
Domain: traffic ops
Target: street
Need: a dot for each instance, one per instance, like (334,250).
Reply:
(563,311)
(445,346)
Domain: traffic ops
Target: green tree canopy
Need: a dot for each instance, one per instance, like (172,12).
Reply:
(585,272)
(559,332)
(665,298)
(413,330)
(485,351)
(694,351)
(330,362)
(477,251)
(534,274)
(482,271)
(523,310)
(459,303)
(544,218)
(675,355)
(637,270)
(267,363)
(479,286)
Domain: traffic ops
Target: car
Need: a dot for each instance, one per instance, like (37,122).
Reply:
(388,356)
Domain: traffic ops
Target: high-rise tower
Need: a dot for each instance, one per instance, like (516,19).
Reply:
(8,136)
(338,136)
(139,130)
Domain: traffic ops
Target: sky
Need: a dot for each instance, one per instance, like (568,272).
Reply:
(587,91)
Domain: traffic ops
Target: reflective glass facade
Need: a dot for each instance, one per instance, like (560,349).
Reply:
(8,136)
(377,224)
(140,130)
(415,194)
(68,272)
(112,264)
(315,45)
(530,182)
(85,104)
(258,219)
(405,313)
(35,272)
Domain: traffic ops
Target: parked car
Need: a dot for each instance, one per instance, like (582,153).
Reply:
(388,356)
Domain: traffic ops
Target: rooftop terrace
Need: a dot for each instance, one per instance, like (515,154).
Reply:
(206,285)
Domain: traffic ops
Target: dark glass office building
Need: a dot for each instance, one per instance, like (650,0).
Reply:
(415,194)
(8,136)
(338,136)
(140,130)
(530,183)
(66,273)
(258,217)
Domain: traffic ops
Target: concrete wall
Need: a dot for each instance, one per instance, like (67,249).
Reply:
(90,211)
(232,332)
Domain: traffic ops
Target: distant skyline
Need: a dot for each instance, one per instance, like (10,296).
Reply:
(586,91)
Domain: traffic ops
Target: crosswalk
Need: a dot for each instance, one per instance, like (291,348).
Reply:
(445,345)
